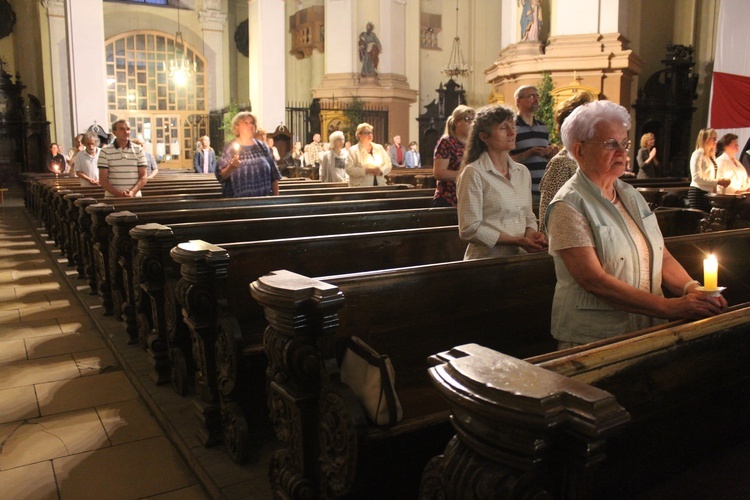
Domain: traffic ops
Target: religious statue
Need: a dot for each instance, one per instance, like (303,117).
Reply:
(369,51)
(531,19)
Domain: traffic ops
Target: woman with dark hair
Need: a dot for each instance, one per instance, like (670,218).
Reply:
(56,163)
(448,153)
(494,192)
(704,170)
(562,166)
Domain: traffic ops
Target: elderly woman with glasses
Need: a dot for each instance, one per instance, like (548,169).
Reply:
(367,163)
(609,253)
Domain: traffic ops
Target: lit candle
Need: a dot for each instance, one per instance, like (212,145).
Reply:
(710,273)
(236,147)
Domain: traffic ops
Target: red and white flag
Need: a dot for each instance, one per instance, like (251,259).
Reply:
(730,88)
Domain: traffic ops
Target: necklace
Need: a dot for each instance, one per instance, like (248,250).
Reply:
(614,198)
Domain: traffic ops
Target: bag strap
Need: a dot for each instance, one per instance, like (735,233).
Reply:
(387,389)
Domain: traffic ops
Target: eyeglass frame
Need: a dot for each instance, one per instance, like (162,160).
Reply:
(527,96)
(612,145)
(468,118)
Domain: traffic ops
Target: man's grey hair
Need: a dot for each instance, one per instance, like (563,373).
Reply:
(522,88)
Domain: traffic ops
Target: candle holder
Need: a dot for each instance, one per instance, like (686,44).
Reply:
(715,292)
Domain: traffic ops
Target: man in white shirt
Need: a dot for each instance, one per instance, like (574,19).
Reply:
(122,164)
(85,162)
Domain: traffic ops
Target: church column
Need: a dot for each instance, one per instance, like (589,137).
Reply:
(267,62)
(213,21)
(58,49)
(87,65)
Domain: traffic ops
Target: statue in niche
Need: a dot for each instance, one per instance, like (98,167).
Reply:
(369,51)
(531,20)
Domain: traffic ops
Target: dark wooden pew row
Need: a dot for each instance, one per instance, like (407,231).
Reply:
(609,420)
(56,205)
(101,234)
(148,316)
(151,271)
(420,177)
(410,314)
(663,182)
(226,326)
(180,185)
(239,310)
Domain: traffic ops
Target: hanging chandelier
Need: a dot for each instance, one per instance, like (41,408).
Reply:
(456,63)
(180,68)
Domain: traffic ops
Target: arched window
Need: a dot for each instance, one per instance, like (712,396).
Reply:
(168,116)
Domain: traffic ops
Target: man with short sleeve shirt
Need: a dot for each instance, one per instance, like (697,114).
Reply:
(532,137)
(122,165)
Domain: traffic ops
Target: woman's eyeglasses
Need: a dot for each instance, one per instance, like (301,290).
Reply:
(468,118)
(612,144)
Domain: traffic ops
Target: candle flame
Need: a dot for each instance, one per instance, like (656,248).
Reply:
(236,146)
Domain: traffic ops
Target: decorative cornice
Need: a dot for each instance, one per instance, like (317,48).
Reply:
(55,8)
(212,19)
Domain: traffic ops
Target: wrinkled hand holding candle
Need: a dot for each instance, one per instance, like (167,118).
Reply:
(710,273)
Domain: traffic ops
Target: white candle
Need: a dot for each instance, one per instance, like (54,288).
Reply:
(710,273)
(236,147)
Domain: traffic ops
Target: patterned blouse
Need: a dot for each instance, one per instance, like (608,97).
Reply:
(560,168)
(451,149)
(254,176)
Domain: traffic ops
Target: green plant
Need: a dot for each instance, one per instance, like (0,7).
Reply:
(546,113)
(226,125)
(354,116)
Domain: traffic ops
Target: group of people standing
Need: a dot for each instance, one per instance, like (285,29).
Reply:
(98,162)
(608,251)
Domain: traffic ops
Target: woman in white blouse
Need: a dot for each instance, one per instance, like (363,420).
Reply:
(704,170)
(494,192)
(367,163)
(333,162)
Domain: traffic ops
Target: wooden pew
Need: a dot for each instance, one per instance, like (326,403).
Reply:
(420,177)
(226,326)
(503,304)
(103,237)
(154,317)
(608,420)
(54,217)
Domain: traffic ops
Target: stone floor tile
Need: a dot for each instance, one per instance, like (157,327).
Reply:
(72,342)
(84,392)
(38,288)
(128,421)
(29,329)
(18,403)
(32,482)
(131,470)
(56,309)
(18,275)
(31,441)
(18,304)
(191,493)
(95,361)
(7,292)
(10,317)
(70,324)
(12,350)
(37,371)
